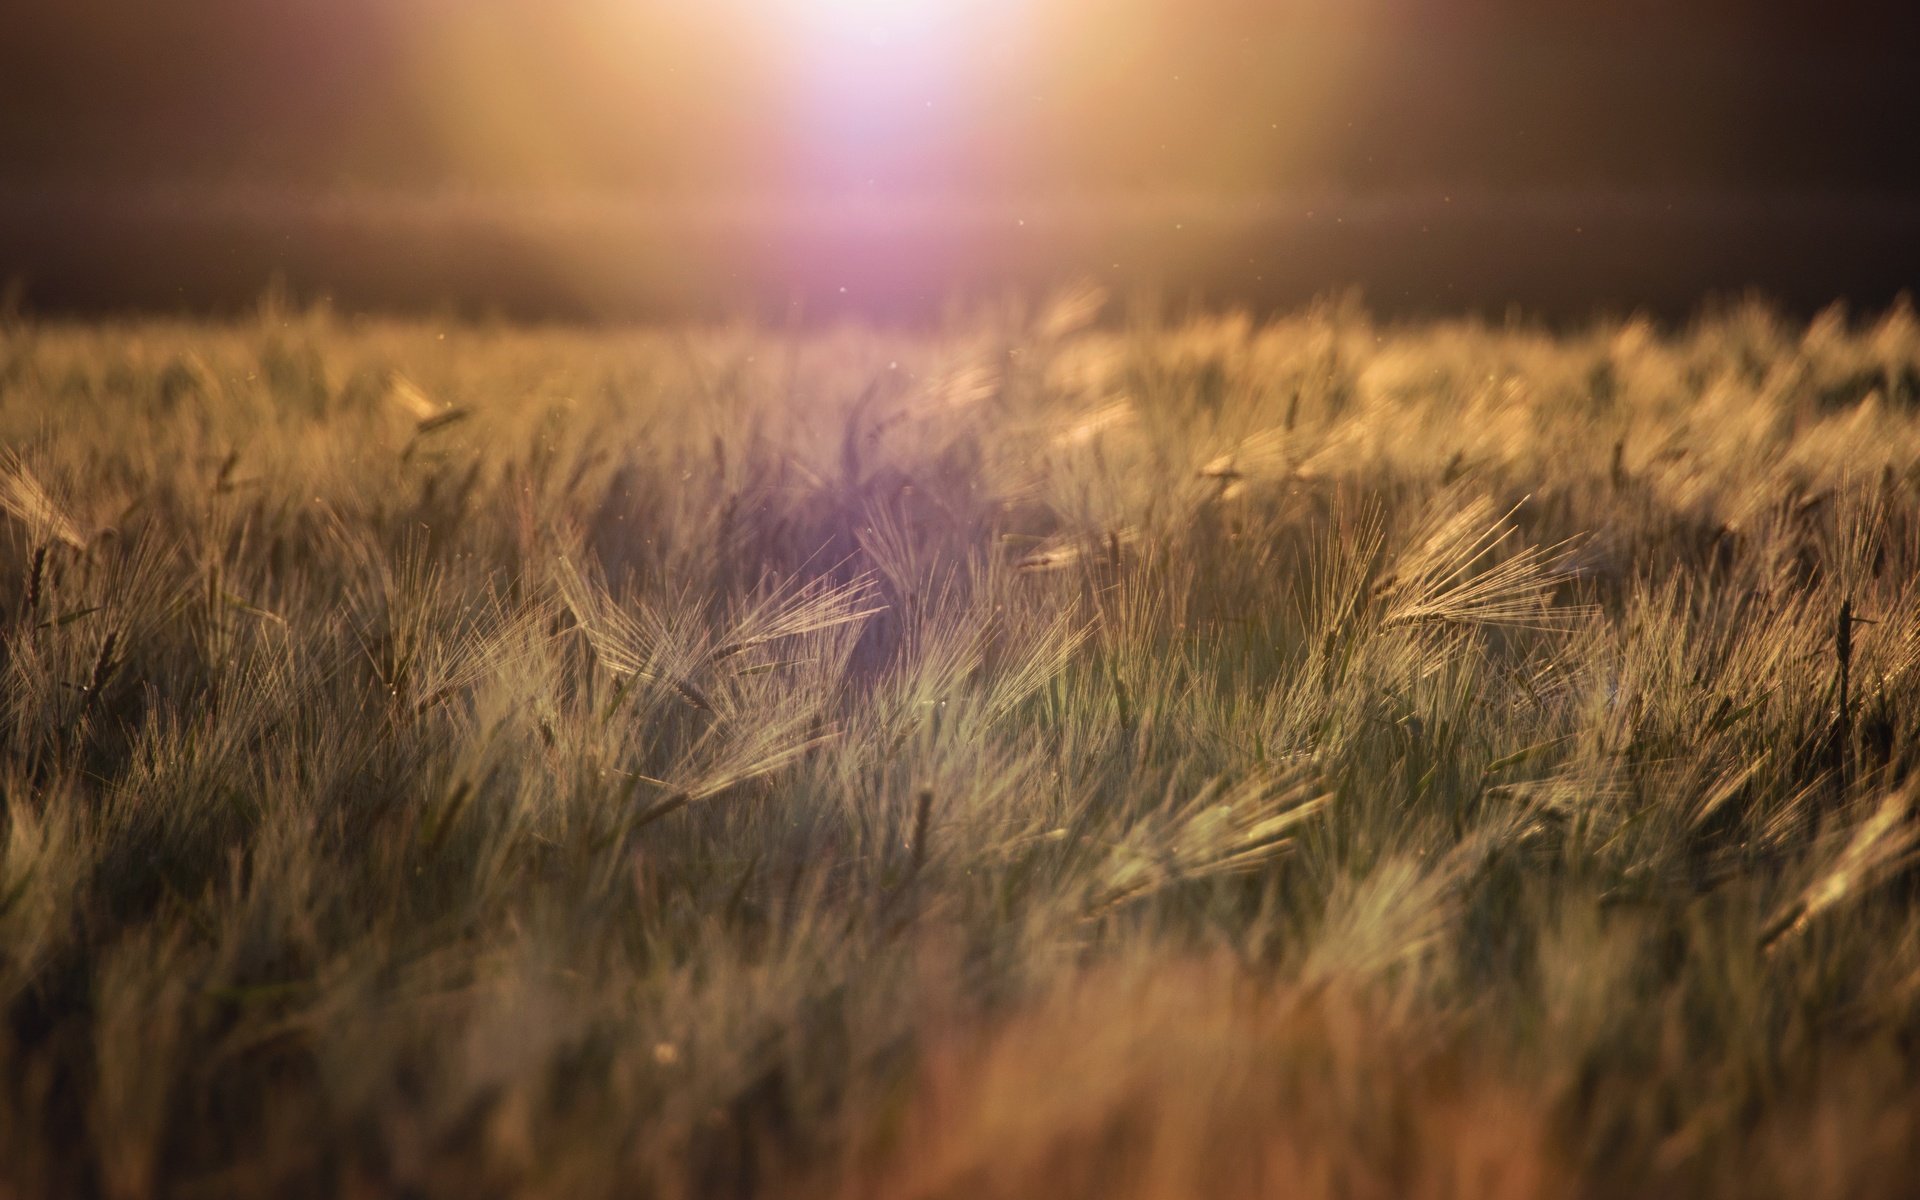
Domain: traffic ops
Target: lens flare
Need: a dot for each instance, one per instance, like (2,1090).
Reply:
(879,86)
(876,20)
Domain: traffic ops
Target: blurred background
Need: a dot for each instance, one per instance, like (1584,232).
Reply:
(634,158)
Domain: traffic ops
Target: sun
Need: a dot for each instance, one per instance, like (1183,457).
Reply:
(877,21)
(873,89)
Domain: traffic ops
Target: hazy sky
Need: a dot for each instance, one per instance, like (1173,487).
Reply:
(960,97)
(660,157)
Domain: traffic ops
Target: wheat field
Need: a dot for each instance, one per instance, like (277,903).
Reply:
(1062,751)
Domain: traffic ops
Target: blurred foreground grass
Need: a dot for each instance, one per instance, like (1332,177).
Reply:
(1033,757)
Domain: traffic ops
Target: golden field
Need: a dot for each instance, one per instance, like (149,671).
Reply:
(1054,751)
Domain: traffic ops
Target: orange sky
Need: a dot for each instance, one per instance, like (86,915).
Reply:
(659,156)
(962,96)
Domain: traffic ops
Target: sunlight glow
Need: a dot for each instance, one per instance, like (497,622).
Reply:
(877,88)
(876,21)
